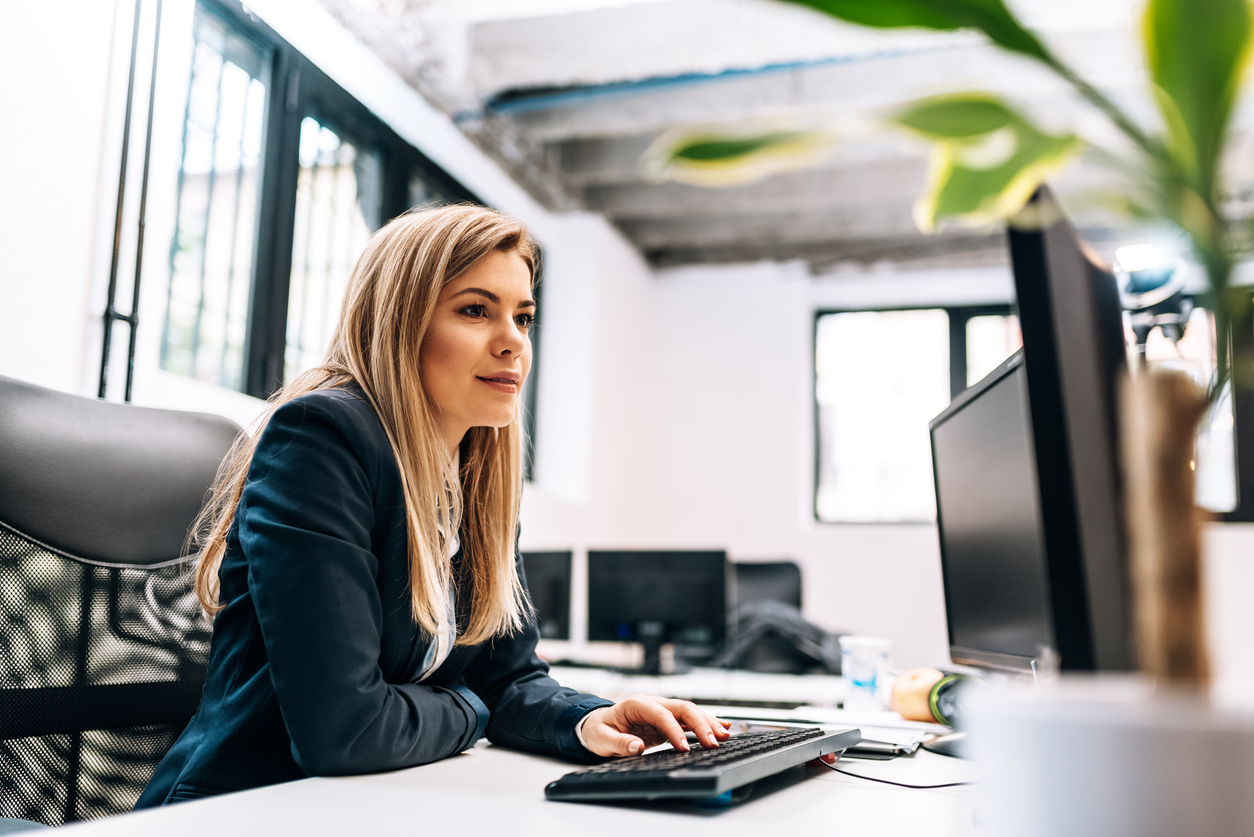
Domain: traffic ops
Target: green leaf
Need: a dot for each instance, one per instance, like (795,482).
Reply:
(718,149)
(731,154)
(963,115)
(1197,53)
(989,16)
(979,176)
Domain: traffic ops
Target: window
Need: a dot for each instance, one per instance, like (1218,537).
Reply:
(880,377)
(1194,353)
(338,199)
(206,320)
(283,178)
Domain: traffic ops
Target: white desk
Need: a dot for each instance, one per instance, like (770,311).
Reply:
(499,792)
(494,791)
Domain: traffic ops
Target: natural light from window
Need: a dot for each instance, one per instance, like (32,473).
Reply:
(881,376)
(991,339)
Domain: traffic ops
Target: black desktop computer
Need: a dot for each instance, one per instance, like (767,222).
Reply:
(1027,472)
(654,597)
(548,586)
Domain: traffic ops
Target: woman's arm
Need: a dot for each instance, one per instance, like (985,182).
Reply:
(305,522)
(531,711)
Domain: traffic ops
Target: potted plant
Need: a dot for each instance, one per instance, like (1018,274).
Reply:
(1163,736)
(987,160)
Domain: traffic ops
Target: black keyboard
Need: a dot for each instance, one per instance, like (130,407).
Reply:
(700,773)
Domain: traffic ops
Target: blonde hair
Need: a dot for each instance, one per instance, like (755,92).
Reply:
(387,309)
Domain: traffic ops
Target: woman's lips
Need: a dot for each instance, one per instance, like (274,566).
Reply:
(504,383)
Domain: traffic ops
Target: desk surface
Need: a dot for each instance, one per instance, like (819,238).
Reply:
(493,791)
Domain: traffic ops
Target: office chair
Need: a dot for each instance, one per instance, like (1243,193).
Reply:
(768,632)
(768,581)
(102,643)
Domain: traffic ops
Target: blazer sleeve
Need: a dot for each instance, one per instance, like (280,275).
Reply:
(529,709)
(305,521)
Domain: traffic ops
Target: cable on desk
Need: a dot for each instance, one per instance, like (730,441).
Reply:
(898,784)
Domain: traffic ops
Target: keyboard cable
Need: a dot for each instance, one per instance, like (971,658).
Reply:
(898,784)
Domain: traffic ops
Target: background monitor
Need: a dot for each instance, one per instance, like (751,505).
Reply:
(548,583)
(652,597)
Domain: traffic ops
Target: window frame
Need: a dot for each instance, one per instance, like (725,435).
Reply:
(1242,349)
(958,316)
(297,88)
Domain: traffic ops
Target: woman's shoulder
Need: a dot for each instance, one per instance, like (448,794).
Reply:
(344,408)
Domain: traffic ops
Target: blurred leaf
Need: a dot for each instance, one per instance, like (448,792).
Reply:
(714,150)
(981,176)
(989,16)
(964,115)
(734,154)
(1197,53)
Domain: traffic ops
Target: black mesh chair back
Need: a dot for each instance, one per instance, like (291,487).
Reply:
(102,643)
(768,581)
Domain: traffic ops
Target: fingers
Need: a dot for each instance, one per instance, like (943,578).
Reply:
(707,728)
(622,744)
(830,758)
(657,713)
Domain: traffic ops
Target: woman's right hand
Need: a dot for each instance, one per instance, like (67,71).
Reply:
(631,726)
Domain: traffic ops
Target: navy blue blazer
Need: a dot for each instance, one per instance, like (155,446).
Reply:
(314,656)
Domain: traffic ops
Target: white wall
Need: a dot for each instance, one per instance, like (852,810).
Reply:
(674,410)
(60,105)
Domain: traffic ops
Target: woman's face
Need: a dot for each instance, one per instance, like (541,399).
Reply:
(477,351)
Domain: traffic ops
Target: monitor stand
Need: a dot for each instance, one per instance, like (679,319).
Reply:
(650,635)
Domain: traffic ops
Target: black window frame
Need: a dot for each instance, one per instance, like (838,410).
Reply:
(297,88)
(958,316)
(1242,349)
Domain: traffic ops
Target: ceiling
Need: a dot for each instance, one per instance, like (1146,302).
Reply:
(568,95)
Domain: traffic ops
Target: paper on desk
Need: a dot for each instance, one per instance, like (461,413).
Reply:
(864,720)
(898,737)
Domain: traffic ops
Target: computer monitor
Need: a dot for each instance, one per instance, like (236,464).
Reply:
(993,560)
(548,583)
(653,597)
(1073,353)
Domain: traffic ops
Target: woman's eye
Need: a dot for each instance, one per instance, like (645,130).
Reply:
(476,310)
(525,321)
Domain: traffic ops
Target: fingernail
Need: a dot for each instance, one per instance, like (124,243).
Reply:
(713,743)
(633,747)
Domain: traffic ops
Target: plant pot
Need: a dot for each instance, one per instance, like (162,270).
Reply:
(1108,756)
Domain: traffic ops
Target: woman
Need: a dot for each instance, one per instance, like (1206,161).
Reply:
(360,548)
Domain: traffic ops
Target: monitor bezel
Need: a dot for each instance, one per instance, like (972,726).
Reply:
(959,654)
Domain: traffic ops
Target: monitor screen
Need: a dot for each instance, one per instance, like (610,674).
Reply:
(682,592)
(548,585)
(989,518)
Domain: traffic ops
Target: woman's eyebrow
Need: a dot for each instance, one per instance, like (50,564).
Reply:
(526,303)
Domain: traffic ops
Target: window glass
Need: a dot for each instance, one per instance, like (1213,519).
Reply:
(211,256)
(881,376)
(990,340)
(338,203)
(423,193)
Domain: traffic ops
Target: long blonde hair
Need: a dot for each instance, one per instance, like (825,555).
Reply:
(387,309)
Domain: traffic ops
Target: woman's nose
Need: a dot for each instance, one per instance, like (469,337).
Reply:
(510,341)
